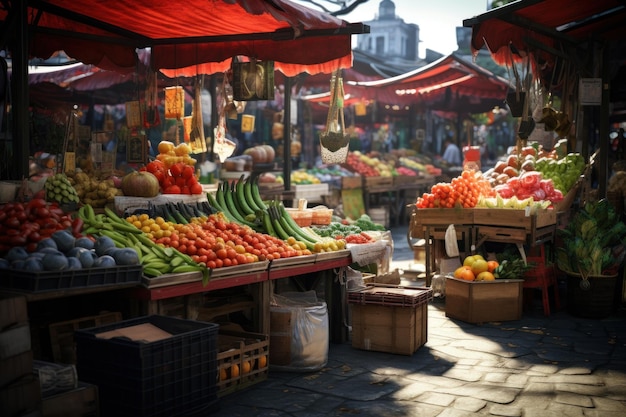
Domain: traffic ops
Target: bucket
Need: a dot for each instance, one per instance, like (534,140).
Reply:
(8,191)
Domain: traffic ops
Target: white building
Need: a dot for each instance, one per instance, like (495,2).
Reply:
(391,38)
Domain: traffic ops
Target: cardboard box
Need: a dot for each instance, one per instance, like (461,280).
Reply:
(390,319)
(484,301)
(79,402)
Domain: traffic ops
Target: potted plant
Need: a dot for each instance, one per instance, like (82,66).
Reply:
(594,244)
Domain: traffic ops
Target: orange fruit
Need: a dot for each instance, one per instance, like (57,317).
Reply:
(492,265)
(223,374)
(234,370)
(468,275)
(165,146)
(246,367)
(262,361)
(182,149)
(479,266)
(485,276)
(460,270)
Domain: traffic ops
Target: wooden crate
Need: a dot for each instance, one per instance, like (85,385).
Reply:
(514,218)
(242,360)
(444,217)
(13,310)
(80,402)
(390,318)
(401,330)
(20,397)
(62,334)
(310,192)
(349,183)
(484,301)
(373,184)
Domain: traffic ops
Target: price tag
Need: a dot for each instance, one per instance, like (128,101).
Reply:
(527,211)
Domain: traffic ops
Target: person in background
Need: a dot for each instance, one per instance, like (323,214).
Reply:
(451,153)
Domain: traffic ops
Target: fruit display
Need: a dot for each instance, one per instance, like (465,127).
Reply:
(414,165)
(463,191)
(170,153)
(300,177)
(368,166)
(563,169)
(178,178)
(93,191)
(59,189)
(529,185)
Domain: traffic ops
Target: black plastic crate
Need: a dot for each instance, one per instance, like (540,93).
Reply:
(62,280)
(176,376)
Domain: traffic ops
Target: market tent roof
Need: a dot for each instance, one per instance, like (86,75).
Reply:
(450,84)
(188,33)
(547,29)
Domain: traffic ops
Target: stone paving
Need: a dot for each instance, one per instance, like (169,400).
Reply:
(537,366)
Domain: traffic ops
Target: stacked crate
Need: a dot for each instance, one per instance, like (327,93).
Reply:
(19,388)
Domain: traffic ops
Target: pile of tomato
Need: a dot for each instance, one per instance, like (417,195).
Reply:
(216,242)
(358,238)
(463,191)
(25,224)
(178,178)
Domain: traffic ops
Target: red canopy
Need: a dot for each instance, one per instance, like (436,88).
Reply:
(450,84)
(190,32)
(546,29)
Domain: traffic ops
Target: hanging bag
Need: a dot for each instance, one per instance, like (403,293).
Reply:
(333,140)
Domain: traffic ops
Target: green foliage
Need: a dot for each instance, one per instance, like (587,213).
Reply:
(594,241)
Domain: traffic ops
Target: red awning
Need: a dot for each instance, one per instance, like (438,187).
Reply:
(546,28)
(450,84)
(190,32)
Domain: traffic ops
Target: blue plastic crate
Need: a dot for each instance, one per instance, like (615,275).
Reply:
(176,376)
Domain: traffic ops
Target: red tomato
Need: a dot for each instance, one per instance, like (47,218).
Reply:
(176,170)
(188,171)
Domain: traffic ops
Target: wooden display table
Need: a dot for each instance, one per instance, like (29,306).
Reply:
(478,225)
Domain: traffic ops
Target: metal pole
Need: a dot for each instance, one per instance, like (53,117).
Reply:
(19,92)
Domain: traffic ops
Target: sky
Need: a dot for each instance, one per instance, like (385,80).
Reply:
(437,19)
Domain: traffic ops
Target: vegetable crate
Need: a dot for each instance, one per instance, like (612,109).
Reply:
(242,360)
(390,319)
(349,183)
(151,366)
(484,301)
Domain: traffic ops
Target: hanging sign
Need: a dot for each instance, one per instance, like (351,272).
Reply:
(590,91)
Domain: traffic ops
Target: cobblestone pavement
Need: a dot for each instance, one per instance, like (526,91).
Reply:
(537,366)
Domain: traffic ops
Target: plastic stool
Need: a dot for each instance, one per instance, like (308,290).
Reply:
(542,276)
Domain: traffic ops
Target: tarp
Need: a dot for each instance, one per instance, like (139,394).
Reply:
(188,33)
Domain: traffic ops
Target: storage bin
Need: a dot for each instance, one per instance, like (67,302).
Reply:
(150,366)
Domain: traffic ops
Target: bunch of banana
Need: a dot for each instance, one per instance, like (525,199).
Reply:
(58,188)
(155,259)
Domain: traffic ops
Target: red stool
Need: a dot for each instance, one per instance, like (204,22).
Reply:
(542,276)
